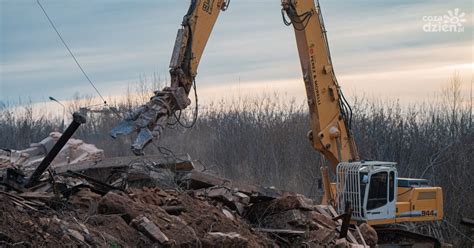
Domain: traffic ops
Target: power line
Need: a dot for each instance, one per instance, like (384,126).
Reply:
(70,52)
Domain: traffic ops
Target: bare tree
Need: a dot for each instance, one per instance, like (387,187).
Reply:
(453,99)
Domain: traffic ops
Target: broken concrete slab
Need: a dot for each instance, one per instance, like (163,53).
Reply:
(291,219)
(221,193)
(146,226)
(242,198)
(287,202)
(322,236)
(199,180)
(228,214)
(280,231)
(181,163)
(323,220)
(342,243)
(86,201)
(74,151)
(234,200)
(369,234)
(75,234)
(227,240)
(295,201)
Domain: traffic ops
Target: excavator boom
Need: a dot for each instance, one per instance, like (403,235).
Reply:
(330,114)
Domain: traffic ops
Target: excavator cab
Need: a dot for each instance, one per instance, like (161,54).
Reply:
(369,187)
(378,196)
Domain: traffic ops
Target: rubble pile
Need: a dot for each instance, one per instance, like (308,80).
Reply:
(75,151)
(155,201)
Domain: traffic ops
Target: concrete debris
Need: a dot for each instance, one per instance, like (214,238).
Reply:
(75,151)
(180,163)
(219,239)
(157,201)
(342,243)
(75,234)
(228,214)
(369,234)
(281,231)
(143,224)
(85,201)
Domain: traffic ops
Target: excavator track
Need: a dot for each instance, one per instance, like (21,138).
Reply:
(394,237)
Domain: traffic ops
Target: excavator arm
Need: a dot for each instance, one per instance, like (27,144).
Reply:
(192,39)
(150,119)
(329,112)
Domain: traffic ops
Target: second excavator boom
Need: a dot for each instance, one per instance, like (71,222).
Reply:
(150,119)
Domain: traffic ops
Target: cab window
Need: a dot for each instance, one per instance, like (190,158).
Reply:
(378,190)
(391,186)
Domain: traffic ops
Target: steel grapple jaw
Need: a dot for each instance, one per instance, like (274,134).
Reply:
(150,119)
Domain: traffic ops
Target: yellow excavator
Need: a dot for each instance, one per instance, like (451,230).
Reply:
(372,188)
(376,194)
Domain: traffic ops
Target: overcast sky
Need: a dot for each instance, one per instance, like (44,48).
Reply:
(379,48)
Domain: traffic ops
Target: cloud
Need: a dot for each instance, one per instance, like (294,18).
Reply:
(372,42)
